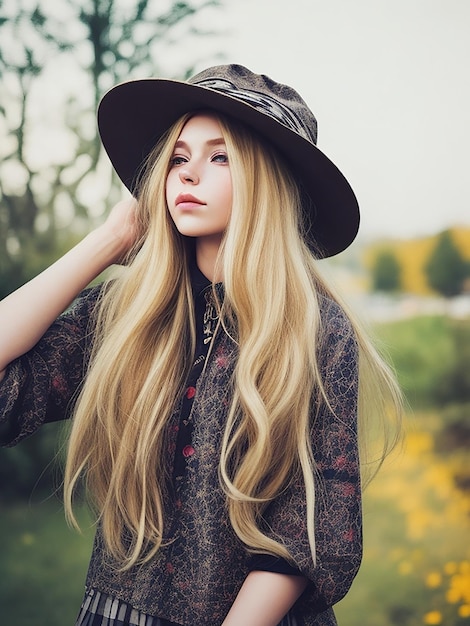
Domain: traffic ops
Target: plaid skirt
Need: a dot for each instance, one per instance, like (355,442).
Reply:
(99,609)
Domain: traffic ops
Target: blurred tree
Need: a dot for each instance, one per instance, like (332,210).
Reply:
(386,272)
(446,268)
(56,60)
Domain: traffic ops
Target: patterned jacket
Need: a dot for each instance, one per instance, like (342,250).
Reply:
(196,575)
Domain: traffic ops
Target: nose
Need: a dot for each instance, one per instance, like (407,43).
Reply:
(188,175)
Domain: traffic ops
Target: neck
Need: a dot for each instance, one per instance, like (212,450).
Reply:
(207,251)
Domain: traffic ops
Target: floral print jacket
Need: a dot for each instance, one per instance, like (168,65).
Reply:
(196,575)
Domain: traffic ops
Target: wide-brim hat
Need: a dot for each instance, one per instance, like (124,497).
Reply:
(132,117)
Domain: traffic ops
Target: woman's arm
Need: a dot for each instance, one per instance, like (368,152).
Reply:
(264,599)
(27,313)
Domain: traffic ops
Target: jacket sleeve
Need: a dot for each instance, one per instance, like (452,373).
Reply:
(40,386)
(338,519)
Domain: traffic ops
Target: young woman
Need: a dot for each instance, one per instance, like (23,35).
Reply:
(216,383)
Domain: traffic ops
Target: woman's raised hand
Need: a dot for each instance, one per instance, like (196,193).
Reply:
(121,226)
(27,313)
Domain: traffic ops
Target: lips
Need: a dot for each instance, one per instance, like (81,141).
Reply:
(187,200)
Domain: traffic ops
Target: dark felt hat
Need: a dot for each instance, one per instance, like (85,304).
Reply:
(132,116)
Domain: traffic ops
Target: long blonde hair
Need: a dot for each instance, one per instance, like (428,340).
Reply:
(145,338)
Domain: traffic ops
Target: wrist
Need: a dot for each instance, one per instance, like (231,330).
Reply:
(107,245)
(119,232)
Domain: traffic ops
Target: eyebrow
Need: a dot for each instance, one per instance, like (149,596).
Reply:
(217,141)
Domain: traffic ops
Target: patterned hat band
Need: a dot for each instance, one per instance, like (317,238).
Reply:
(264,103)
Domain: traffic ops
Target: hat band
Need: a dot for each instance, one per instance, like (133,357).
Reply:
(263,103)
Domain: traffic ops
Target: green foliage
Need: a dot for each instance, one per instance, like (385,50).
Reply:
(43,565)
(32,468)
(386,272)
(446,269)
(453,442)
(455,432)
(432,357)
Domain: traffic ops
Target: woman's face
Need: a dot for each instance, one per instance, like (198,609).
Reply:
(199,183)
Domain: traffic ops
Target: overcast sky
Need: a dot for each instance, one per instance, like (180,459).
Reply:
(389,81)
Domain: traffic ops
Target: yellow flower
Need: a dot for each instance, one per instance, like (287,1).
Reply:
(453,596)
(464,610)
(460,584)
(405,568)
(433,617)
(419,442)
(433,580)
(450,568)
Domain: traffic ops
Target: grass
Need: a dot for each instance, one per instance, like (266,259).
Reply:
(432,357)
(43,565)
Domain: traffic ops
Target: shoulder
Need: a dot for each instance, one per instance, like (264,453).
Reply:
(334,321)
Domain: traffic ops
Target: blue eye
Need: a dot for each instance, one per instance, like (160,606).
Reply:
(220,158)
(177,160)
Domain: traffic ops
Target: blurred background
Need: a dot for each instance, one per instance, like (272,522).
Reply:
(390,85)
